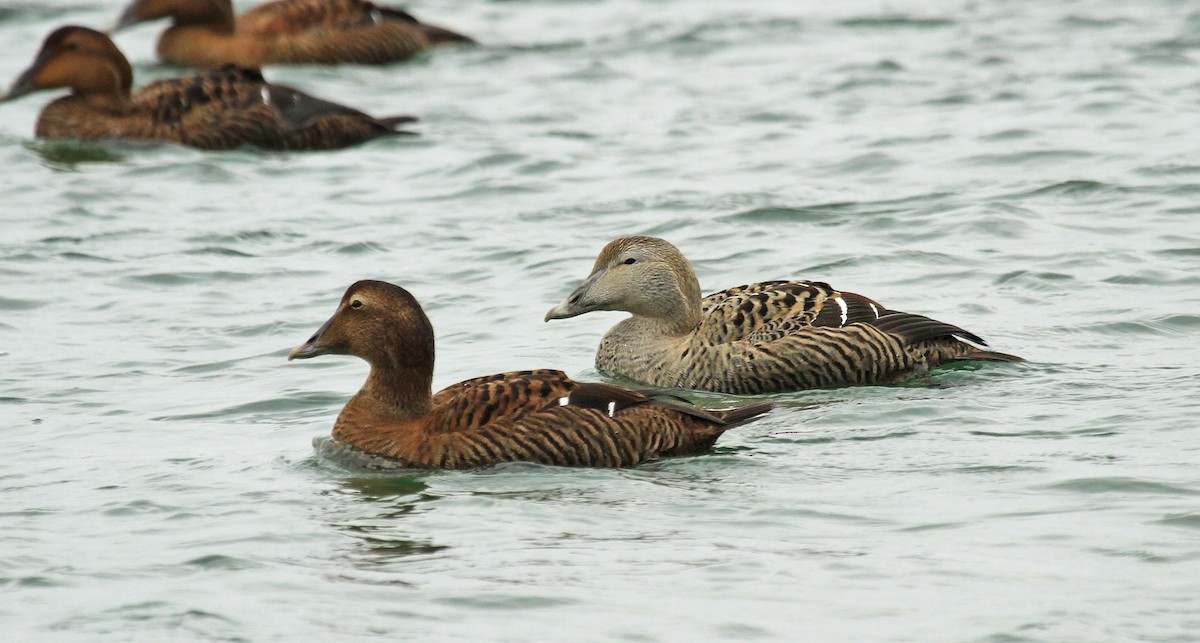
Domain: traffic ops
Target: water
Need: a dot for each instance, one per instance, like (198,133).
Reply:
(1026,170)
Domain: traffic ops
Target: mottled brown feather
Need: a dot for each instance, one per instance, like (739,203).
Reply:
(766,337)
(528,416)
(294,31)
(215,109)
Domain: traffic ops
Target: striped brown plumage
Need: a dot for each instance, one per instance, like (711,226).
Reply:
(767,337)
(205,33)
(527,416)
(215,109)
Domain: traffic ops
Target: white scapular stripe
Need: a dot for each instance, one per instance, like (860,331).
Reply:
(874,310)
(266,95)
(564,400)
(845,309)
(612,408)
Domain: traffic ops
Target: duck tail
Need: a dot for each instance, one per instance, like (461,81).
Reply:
(743,415)
(393,124)
(396,121)
(441,36)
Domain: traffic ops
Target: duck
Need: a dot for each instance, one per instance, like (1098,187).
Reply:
(216,109)
(539,416)
(768,337)
(205,33)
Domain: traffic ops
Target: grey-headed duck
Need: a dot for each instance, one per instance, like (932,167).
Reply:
(766,337)
(217,109)
(529,416)
(205,33)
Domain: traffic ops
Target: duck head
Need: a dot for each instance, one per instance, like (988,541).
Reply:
(380,322)
(216,13)
(82,59)
(646,276)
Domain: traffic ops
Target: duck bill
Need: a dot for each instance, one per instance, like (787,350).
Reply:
(24,83)
(314,346)
(577,302)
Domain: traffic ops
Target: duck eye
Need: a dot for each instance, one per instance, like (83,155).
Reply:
(356,303)
(629,261)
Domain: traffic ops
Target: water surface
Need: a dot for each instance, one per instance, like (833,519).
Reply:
(1026,170)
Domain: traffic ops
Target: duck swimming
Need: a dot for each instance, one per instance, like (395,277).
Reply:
(217,109)
(528,416)
(205,33)
(767,337)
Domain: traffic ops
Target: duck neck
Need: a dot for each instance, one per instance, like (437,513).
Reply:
(676,308)
(398,392)
(678,318)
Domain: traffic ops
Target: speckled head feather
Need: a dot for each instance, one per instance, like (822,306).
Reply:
(380,322)
(79,58)
(646,276)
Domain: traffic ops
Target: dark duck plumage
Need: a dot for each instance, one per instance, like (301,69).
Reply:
(529,416)
(205,33)
(217,109)
(767,337)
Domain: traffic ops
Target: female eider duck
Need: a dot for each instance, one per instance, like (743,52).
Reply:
(206,34)
(768,337)
(217,109)
(529,416)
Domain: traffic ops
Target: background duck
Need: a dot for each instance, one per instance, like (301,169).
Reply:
(767,337)
(217,109)
(530,416)
(205,33)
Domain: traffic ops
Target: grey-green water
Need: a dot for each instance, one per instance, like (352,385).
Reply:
(1028,170)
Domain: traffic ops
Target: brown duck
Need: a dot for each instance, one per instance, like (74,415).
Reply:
(217,109)
(205,33)
(767,337)
(529,416)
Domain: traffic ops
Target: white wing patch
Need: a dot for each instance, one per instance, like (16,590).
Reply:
(564,400)
(845,309)
(265,92)
(612,408)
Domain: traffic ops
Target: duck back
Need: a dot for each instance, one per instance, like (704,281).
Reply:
(338,31)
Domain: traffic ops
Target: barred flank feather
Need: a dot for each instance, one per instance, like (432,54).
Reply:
(528,416)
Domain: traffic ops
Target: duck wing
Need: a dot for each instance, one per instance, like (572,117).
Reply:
(234,106)
(739,313)
(216,109)
(546,417)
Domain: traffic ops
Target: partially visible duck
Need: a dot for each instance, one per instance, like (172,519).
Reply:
(766,337)
(216,109)
(529,416)
(205,33)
